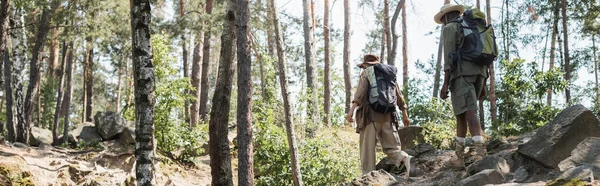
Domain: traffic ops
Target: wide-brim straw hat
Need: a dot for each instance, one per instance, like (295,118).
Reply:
(447,8)
(370,59)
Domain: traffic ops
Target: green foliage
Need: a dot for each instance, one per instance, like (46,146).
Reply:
(324,160)
(173,135)
(94,144)
(520,104)
(48,90)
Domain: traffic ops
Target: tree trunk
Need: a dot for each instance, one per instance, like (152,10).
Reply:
(346,55)
(388,38)
(34,75)
(89,83)
(244,102)
(552,51)
(10,126)
(67,99)
(595,61)
(119,84)
(404,50)
(19,58)
(491,68)
(270,34)
(186,105)
(566,48)
(289,121)
(196,74)
(144,91)
(54,54)
(327,78)
(4,20)
(59,100)
(205,88)
(311,77)
(478,5)
(261,69)
(384,40)
(220,158)
(395,36)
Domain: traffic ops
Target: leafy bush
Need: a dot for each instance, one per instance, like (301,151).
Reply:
(325,159)
(173,135)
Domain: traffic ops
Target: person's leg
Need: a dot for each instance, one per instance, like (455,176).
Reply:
(367,148)
(392,147)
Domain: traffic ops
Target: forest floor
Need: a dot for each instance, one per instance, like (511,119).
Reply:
(46,165)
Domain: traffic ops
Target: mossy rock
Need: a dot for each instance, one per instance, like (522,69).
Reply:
(563,182)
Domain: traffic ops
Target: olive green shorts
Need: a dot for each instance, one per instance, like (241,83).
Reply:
(465,93)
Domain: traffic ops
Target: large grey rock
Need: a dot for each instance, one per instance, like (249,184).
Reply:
(446,177)
(489,176)
(85,132)
(387,165)
(520,174)
(586,153)
(109,124)
(379,177)
(39,136)
(489,162)
(554,142)
(411,136)
(497,145)
(583,172)
(127,137)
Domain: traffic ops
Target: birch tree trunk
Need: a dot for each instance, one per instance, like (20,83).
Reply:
(144,91)
(289,124)
(220,158)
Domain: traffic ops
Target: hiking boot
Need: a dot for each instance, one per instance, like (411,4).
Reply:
(480,151)
(409,164)
(459,160)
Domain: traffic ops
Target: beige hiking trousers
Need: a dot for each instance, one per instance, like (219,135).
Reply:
(368,141)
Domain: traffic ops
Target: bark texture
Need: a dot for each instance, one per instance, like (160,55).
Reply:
(566,49)
(4,19)
(346,55)
(144,83)
(68,94)
(196,75)
(289,124)
(244,99)
(220,158)
(327,78)
(493,108)
(205,88)
(309,58)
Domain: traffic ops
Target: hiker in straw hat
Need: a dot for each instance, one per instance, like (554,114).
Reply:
(373,126)
(466,81)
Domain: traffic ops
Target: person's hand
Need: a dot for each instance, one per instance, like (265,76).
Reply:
(349,116)
(444,92)
(405,121)
(483,94)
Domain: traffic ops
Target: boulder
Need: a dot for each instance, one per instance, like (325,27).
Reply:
(127,137)
(554,142)
(379,177)
(109,124)
(489,162)
(411,136)
(423,148)
(86,132)
(497,145)
(520,174)
(38,136)
(387,165)
(446,177)
(586,153)
(583,172)
(489,176)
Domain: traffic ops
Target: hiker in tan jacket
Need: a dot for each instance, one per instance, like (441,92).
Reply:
(372,125)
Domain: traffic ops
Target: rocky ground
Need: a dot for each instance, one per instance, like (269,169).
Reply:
(565,151)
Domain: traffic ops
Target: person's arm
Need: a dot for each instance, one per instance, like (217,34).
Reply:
(361,92)
(449,42)
(402,106)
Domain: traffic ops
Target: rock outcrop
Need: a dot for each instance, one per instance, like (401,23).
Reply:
(554,142)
